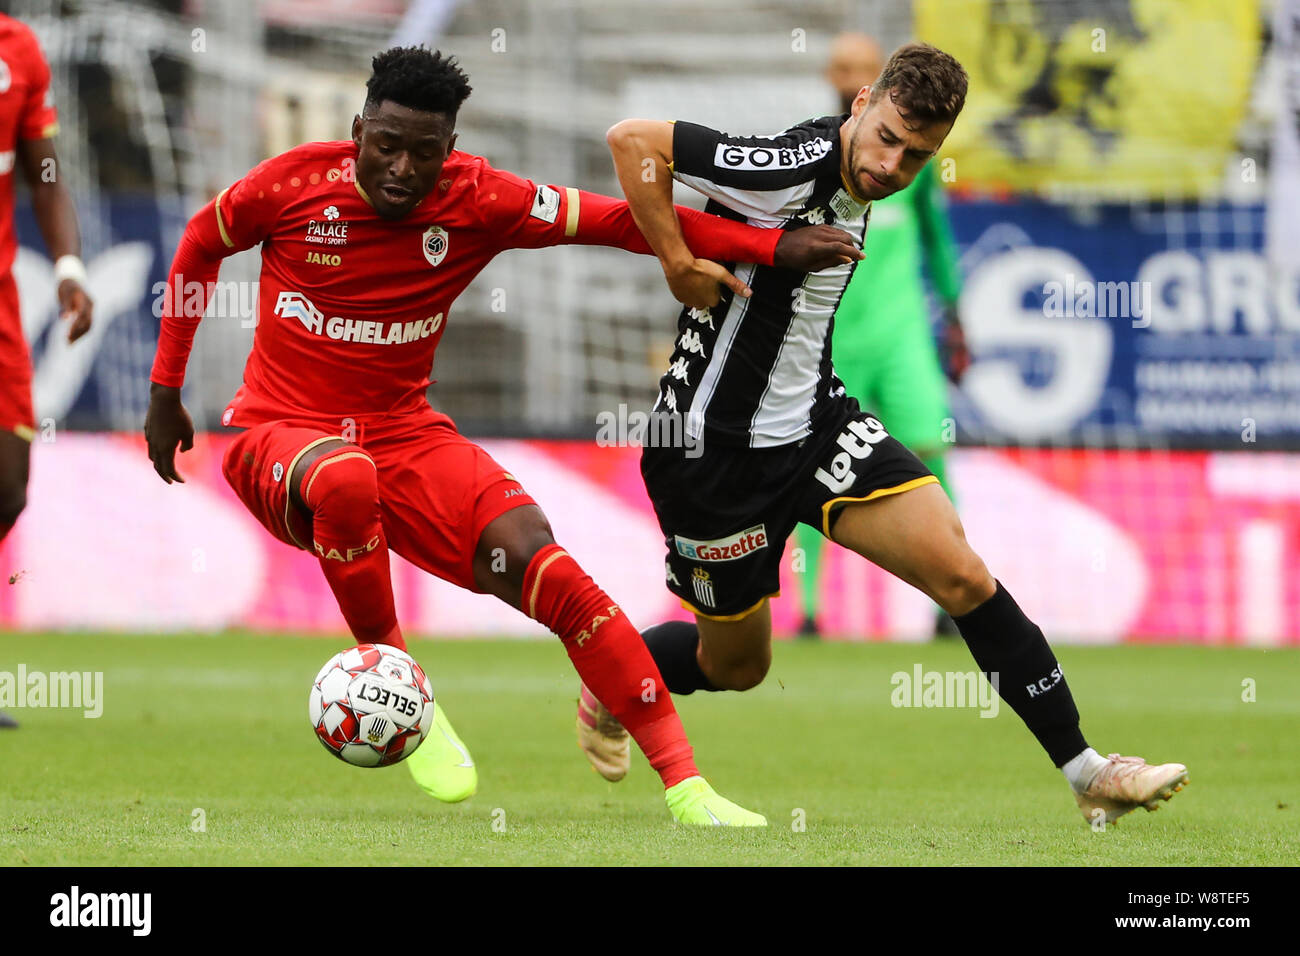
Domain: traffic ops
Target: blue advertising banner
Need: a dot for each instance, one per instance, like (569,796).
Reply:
(101,381)
(1161,324)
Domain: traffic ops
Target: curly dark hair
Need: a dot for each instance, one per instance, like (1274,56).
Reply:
(419,79)
(927,85)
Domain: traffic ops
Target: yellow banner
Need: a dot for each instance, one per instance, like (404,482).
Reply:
(1118,98)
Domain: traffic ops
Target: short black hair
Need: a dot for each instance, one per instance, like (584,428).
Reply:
(419,79)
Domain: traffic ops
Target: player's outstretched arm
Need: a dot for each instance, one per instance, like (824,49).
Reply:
(642,151)
(605,221)
(56,216)
(643,156)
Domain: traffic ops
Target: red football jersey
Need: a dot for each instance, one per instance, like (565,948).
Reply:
(351,306)
(26,112)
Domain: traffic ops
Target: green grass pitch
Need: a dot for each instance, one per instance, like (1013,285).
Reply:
(214,730)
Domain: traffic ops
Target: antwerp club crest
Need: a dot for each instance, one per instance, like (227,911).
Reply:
(434,244)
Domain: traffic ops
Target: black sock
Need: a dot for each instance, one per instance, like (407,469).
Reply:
(672,645)
(1006,643)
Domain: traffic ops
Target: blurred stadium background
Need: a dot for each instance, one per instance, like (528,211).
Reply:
(1132,476)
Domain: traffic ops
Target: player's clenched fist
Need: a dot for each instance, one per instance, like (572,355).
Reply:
(166,425)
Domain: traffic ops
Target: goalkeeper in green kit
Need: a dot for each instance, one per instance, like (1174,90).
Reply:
(883,346)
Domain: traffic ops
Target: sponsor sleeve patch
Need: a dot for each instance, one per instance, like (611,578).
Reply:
(546,204)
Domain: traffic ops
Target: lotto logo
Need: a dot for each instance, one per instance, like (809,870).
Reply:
(857,440)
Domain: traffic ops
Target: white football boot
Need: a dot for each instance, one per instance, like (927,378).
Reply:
(1126,783)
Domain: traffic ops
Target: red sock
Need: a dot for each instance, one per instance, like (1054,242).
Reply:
(342,491)
(610,657)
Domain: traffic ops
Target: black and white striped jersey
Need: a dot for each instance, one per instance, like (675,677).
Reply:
(757,371)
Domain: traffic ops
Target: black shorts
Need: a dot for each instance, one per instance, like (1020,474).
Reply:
(726,514)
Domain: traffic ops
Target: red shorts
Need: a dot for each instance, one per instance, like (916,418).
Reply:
(437,489)
(16,413)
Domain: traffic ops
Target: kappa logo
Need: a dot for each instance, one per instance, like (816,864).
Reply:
(704,317)
(546,204)
(730,156)
(702,585)
(858,439)
(678,370)
(691,342)
(734,546)
(434,244)
(669,576)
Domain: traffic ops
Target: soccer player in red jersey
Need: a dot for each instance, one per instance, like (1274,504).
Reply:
(28,124)
(365,245)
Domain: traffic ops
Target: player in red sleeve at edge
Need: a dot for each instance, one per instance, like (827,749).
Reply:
(28,125)
(365,245)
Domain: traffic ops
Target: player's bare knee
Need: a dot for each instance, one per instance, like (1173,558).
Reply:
(736,670)
(741,675)
(530,532)
(507,547)
(966,585)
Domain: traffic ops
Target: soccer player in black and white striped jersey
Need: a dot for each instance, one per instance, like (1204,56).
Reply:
(771,438)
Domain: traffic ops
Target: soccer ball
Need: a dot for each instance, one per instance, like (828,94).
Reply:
(371,705)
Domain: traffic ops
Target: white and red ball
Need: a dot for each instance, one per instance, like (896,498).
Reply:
(371,705)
